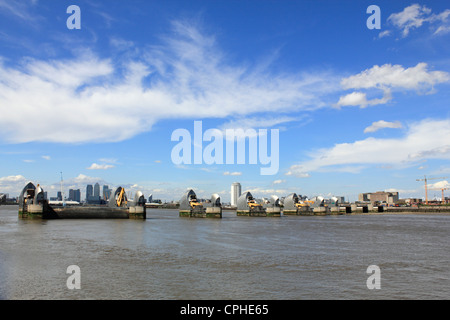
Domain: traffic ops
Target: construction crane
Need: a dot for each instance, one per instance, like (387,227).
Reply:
(442,189)
(426,185)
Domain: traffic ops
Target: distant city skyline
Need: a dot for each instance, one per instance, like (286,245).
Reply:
(358,109)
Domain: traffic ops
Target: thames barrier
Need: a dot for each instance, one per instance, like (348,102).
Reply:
(192,208)
(34,205)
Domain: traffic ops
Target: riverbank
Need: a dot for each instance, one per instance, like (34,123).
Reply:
(444,210)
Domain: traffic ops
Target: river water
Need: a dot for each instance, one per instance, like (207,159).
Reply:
(249,258)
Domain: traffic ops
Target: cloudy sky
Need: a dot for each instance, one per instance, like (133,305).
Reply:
(357,109)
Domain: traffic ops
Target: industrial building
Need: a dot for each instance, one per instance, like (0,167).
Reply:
(379,196)
(106,192)
(74,195)
(411,201)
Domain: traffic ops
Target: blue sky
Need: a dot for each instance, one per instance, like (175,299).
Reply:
(357,109)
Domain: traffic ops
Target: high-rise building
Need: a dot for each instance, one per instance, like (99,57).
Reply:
(71,195)
(97,190)
(93,194)
(59,196)
(235,193)
(106,192)
(75,195)
(89,192)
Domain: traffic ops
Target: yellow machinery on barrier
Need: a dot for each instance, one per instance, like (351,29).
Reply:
(253,204)
(121,198)
(303,204)
(194,203)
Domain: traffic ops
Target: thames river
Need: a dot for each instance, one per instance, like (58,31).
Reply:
(172,258)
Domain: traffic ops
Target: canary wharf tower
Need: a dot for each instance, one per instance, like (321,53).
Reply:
(235,193)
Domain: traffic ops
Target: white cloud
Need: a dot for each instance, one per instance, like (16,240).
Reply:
(444,184)
(443,16)
(12,184)
(415,16)
(9,179)
(79,182)
(279,181)
(442,29)
(121,44)
(108,160)
(96,166)
(83,179)
(360,99)
(297,170)
(435,152)
(227,173)
(427,139)
(257,122)
(259,192)
(387,78)
(384,33)
(443,19)
(378,125)
(411,17)
(20,9)
(396,76)
(46,157)
(116,101)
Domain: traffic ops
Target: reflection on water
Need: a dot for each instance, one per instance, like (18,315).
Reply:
(167,257)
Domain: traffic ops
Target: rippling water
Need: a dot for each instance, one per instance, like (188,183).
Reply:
(167,257)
